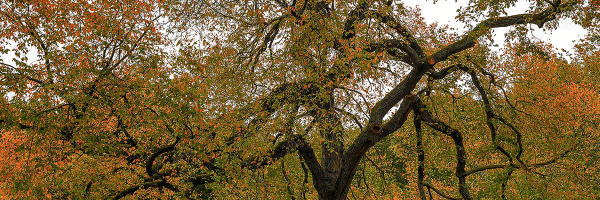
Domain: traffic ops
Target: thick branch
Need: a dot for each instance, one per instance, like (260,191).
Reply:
(269,37)
(153,157)
(372,134)
(132,190)
(281,150)
(399,117)
(420,156)
(403,31)
(393,97)
(355,15)
(373,130)
(470,38)
(21,126)
(88,187)
(308,154)
(444,72)
(391,47)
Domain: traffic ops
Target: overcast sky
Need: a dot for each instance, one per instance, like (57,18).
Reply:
(444,12)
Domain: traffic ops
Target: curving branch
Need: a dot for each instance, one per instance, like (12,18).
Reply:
(505,182)
(160,183)
(21,126)
(487,106)
(372,134)
(391,46)
(88,187)
(308,155)
(133,189)
(420,155)
(153,157)
(22,72)
(442,73)
(457,137)
(518,134)
(269,37)
(536,165)
(351,21)
(439,192)
(415,49)
(287,179)
(281,150)
(130,140)
(470,38)
(489,114)
(381,171)
(305,181)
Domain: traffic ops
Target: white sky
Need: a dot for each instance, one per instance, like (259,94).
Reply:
(444,12)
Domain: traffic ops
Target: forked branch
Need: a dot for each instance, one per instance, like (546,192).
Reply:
(470,38)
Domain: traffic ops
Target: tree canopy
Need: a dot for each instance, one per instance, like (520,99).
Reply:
(295,99)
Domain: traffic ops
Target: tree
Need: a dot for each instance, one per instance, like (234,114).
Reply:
(200,99)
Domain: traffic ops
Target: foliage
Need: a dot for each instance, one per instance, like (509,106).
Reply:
(145,99)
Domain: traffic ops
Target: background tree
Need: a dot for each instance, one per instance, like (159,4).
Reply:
(301,99)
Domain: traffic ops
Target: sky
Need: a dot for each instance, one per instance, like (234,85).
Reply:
(444,12)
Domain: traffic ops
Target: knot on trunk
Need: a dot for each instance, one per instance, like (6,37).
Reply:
(377,128)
